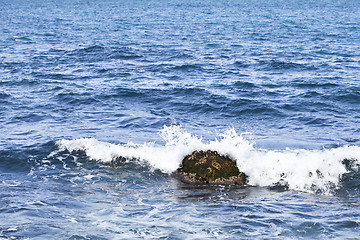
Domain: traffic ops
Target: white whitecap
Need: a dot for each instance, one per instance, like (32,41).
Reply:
(305,170)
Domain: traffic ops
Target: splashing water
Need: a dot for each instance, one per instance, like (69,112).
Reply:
(304,170)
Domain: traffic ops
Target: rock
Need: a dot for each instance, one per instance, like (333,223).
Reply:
(210,167)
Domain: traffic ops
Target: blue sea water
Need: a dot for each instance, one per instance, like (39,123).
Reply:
(101,100)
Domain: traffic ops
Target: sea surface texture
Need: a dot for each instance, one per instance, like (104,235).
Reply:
(100,100)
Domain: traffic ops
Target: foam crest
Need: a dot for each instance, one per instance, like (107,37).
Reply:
(305,170)
(163,158)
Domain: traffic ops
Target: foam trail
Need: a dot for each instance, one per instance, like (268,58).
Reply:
(305,170)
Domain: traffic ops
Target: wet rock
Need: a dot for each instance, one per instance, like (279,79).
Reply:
(209,167)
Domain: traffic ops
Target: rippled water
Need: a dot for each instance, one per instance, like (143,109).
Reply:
(101,100)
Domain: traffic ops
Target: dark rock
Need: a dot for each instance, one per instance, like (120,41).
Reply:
(210,167)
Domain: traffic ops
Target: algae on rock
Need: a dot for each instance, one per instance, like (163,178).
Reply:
(210,167)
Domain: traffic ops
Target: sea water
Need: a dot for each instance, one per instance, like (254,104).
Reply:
(101,100)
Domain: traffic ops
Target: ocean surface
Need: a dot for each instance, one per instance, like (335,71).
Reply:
(101,100)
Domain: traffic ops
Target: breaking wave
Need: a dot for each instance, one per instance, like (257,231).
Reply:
(318,171)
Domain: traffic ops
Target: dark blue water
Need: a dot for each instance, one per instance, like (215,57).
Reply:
(101,100)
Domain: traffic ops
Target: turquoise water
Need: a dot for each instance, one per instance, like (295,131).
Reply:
(101,100)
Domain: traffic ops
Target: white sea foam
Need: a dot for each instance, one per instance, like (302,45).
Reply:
(305,170)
